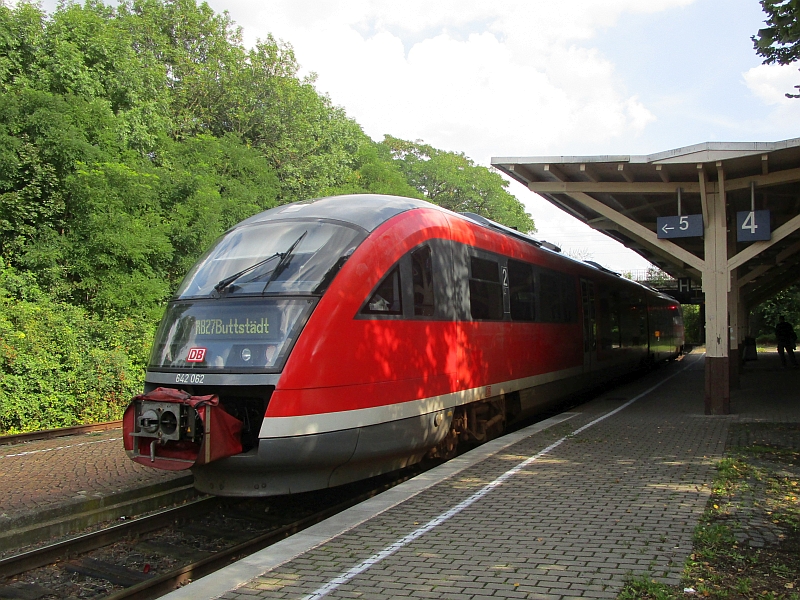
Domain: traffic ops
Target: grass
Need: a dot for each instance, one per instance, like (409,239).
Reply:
(754,486)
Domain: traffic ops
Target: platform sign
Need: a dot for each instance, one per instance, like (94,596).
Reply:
(677,227)
(753,225)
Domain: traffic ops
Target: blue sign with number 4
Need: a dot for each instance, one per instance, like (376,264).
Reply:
(752,226)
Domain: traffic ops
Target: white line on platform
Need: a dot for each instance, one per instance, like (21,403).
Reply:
(239,573)
(60,447)
(445,516)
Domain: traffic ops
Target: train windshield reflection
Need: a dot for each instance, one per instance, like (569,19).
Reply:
(239,256)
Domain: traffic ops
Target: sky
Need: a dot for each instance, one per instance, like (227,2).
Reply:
(539,77)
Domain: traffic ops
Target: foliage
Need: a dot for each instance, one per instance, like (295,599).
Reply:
(656,277)
(644,588)
(786,303)
(779,42)
(59,365)
(692,324)
(453,181)
(131,137)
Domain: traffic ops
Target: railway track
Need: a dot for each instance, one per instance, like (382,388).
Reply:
(49,434)
(148,557)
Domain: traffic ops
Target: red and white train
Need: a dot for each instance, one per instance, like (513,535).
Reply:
(322,342)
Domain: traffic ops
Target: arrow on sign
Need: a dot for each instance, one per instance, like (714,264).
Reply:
(680,226)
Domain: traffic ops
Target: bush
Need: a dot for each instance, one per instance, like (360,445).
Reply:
(768,339)
(692,324)
(59,365)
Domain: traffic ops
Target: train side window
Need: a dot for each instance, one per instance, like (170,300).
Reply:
(522,290)
(610,322)
(558,300)
(485,289)
(387,299)
(569,299)
(422,281)
(551,303)
(614,319)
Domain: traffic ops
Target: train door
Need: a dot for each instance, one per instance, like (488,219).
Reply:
(589,325)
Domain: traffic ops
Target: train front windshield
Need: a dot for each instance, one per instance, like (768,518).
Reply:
(273,258)
(242,306)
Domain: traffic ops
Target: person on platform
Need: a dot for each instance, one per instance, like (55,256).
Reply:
(786,338)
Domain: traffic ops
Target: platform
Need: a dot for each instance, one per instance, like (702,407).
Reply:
(566,508)
(68,472)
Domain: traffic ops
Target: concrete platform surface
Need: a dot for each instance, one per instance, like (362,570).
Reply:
(568,508)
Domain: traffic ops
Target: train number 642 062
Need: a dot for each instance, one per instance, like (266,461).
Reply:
(189,378)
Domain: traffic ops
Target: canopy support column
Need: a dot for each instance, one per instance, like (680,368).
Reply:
(735,314)
(716,283)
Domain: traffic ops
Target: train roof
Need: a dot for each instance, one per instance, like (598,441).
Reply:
(367,211)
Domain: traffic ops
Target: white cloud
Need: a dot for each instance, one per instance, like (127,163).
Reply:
(507,77)
(513,77)
(770,83)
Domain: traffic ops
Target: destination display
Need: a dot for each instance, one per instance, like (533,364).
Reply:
(249,333)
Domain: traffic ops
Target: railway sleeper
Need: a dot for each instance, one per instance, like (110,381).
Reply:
(25,591)
(98,569)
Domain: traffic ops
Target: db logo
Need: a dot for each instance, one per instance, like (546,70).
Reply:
(196,355)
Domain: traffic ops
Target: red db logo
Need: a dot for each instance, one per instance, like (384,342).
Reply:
(196,355)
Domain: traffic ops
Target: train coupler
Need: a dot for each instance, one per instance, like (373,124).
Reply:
(171,429)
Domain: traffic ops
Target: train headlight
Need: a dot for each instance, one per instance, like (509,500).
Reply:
(246,355)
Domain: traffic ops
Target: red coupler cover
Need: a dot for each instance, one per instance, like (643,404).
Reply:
(222,436)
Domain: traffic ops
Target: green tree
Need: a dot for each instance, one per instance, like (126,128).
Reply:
(693,326)
(375,172)
(779,42)
(59,365)
(131,136)
(453,181)
(786,303)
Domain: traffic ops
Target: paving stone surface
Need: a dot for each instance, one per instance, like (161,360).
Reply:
(769,394)
(619,498)
(46,474)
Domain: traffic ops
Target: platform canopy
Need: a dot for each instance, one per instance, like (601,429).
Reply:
(639,201)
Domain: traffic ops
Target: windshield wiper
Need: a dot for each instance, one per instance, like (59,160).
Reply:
(286,258)
(223,283)
(331,273)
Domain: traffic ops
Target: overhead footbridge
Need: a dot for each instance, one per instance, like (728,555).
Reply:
(722,216)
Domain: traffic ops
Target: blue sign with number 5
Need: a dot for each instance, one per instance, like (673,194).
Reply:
(683,226)
(753,225)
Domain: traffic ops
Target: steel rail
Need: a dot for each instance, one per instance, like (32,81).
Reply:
(25,561)
(163,584)
(48,434)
